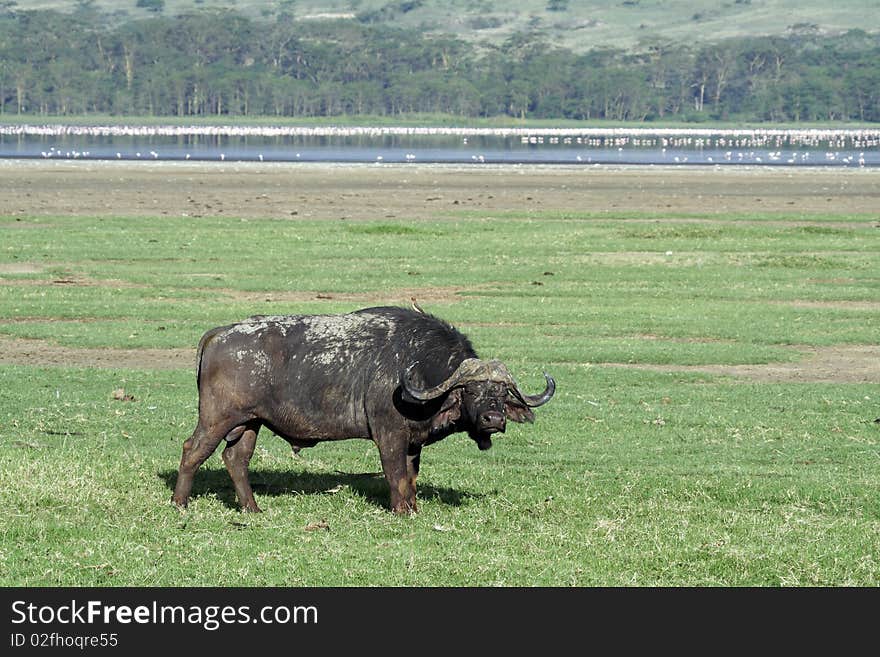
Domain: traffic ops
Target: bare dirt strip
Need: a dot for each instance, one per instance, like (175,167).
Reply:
(384,191)
(41,353)
(838,364)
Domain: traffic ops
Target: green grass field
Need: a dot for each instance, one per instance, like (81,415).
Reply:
(627,477)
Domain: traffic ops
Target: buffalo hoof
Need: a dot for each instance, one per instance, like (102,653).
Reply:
(406,509)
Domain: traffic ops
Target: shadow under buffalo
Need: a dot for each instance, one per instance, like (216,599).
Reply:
(371,486)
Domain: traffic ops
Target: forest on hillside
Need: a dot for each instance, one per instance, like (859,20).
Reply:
(222,63)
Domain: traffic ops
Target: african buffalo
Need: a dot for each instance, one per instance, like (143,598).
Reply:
(399,377)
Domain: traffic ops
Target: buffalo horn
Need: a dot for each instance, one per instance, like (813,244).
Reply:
(474,369)
(467,370)
(534,401)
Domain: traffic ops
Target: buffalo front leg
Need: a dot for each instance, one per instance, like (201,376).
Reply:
(413,458)
(236,457)
(196,451)
(395,466)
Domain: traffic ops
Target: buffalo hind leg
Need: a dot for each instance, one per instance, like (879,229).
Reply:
(402,487)
(196,451)
(236,457)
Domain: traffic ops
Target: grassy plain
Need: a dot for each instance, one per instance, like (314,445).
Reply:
(655,464)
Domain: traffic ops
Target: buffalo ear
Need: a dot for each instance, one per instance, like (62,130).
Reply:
(517,411)
(449,411)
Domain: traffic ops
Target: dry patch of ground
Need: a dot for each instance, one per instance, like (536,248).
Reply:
(296,191)
(419,295)
(41,353)
(837,364)
(873,306)
(20,268)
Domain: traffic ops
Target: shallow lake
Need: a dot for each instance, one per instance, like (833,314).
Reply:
(813,147)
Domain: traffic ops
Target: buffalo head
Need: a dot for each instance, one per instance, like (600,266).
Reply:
(479,397)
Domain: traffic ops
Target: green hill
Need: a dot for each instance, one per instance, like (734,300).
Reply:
(578,25)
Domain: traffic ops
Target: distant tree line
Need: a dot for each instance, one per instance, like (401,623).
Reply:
(223,63)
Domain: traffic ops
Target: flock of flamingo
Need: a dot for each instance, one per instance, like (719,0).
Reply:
(735,145)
